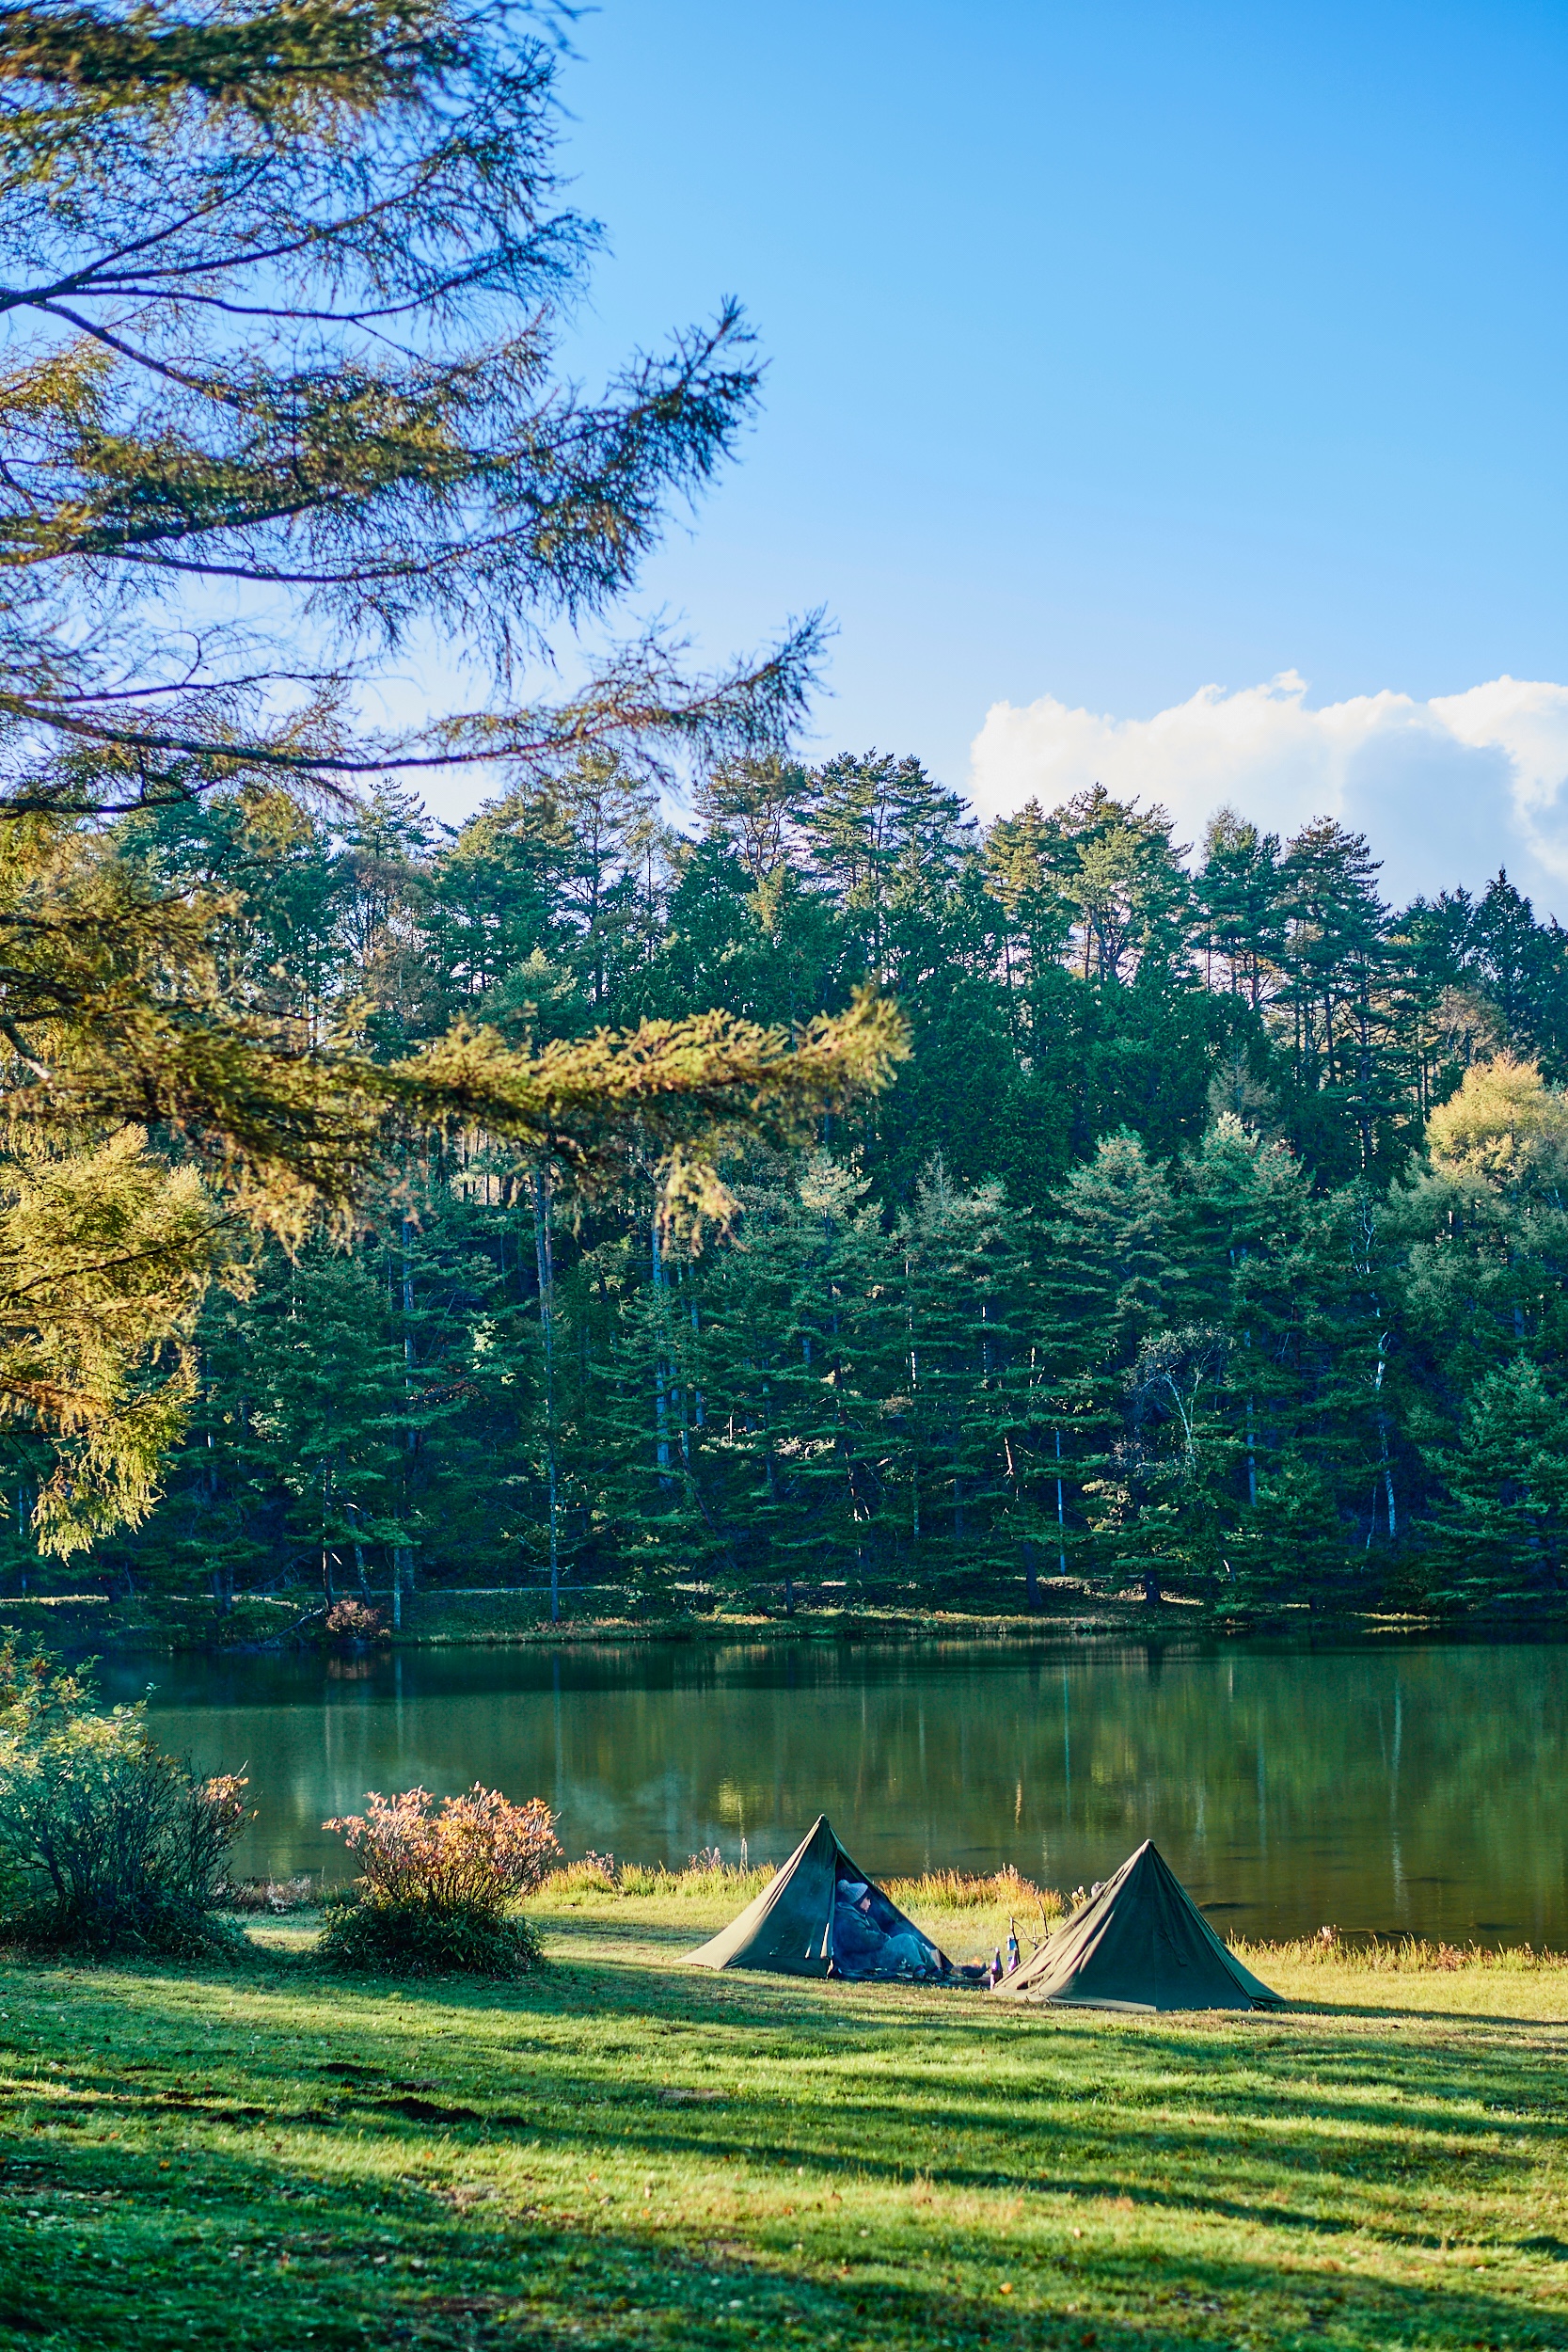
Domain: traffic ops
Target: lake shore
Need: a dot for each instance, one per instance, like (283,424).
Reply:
(619,2152)
(1387,1782)
(438,1618)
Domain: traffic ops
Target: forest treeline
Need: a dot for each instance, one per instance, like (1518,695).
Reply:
(1209,1243)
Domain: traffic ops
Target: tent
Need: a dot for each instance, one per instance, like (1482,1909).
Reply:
(1141,1943)
(822,1916)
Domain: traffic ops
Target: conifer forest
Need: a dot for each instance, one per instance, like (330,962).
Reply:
(1209,1243)
(700,1173)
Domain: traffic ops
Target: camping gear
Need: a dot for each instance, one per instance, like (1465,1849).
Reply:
(1141,1941)
(821,1915)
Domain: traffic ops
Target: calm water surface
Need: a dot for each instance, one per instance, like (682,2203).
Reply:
(1415,1789)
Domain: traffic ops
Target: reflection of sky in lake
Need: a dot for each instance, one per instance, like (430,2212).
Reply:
(1417,1788)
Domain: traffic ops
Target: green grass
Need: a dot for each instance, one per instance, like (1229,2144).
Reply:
(620,2152)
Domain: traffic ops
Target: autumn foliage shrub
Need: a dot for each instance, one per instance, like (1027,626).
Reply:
(351,1622)
(437,1879)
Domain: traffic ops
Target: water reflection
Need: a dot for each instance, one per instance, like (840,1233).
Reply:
(1417,1788)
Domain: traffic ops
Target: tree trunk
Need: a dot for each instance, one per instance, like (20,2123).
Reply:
(546,1324)
(402,1556)
(661,1400)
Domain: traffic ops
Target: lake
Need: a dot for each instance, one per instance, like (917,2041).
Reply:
(1416,1788)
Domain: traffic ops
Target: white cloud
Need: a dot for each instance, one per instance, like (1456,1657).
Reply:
(1446,790)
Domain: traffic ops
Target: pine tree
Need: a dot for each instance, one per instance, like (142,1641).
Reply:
(323,1388)
(1342,1040)
(1291,1550)
(1111,1275)
(1242,894)
(1253,1252)
(1502,1542)
(1162,1509)
(962,1303)
(842,1452)
(1121,875)
(661,1488)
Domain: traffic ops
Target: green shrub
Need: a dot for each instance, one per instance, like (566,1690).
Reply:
(106,1844)
(248,1622)
(415,1939)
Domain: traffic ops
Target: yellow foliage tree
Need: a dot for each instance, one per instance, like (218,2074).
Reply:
(1505,1124)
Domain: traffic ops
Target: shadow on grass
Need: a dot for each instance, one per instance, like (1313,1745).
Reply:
(298,2172)
(480,2280)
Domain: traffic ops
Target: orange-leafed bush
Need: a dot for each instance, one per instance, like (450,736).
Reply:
(435,1879)
(460,1853)
(353,1621)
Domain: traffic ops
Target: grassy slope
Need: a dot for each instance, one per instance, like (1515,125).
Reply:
(632,2154)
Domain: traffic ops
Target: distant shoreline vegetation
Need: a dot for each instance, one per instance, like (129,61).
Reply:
(436,1618)
(1210,1248)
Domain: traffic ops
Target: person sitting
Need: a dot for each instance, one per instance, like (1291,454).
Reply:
(872,1939)
(857,1940)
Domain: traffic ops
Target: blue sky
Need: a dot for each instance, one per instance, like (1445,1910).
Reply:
(1118,352)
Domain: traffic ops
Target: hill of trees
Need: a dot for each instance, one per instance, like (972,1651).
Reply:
(1211,1241)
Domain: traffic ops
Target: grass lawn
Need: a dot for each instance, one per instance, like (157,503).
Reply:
(619,2152)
